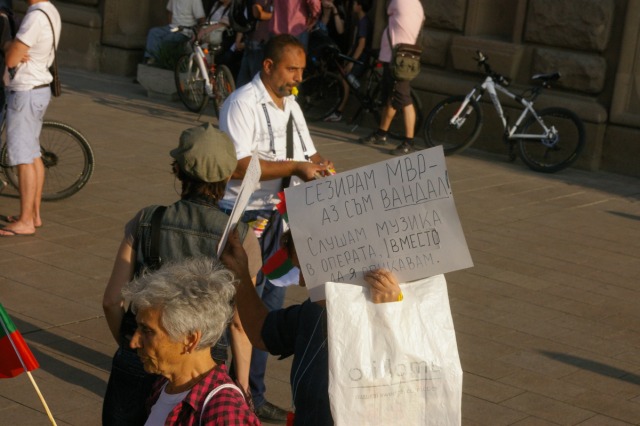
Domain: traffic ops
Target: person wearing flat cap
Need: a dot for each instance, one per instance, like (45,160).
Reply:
(203,162)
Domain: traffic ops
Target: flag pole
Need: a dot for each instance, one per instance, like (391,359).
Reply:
(33,382)
(44,403)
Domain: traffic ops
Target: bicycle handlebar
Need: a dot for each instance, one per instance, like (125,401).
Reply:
(193,28)
(350,59)
(483,62)
(334,50)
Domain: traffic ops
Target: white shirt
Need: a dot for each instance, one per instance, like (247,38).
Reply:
(221,14)
(243,118)
(163,406)
(185,12)
(36,33)
(405,19)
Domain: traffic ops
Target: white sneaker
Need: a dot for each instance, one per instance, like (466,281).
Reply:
(335,116)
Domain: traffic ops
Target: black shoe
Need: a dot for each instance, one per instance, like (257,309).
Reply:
(403,149)
(269,413)
(373,139)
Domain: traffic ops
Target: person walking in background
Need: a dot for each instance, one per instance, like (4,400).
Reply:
(360,50)
(192,226)
(182,310)
(295,17)
(264,116)
(28,58)
(180,12)
(405,21)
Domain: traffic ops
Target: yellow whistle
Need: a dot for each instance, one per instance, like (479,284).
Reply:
(294,91)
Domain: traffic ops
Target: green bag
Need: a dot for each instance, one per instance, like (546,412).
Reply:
(405,58)
(405,61)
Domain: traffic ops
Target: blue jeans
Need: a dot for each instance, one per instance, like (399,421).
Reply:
(158,36)
(251,64)
(272,297)
(303,37)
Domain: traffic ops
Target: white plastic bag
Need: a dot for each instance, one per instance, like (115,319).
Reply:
(393,363)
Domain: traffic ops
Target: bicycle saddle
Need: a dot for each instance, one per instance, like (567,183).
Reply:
(547,77)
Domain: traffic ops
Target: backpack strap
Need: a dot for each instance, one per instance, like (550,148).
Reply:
(153,260)
(214,392)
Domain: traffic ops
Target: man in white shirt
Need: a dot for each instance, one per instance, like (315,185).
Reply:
(262,115)
(181,12)
(28,58)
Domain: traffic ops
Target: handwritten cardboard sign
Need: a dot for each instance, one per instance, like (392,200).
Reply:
(398,214)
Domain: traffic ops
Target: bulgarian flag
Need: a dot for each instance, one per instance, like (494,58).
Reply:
(15,355)
(279,269)
(282,207)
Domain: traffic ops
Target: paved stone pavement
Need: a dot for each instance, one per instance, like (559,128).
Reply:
(547,321)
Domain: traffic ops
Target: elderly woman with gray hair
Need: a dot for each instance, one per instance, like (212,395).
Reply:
(182,310)
(191,227)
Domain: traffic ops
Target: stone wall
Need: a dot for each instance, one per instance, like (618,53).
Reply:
(595,44)
(80,40)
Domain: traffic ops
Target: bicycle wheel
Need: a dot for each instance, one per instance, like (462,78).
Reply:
(397,128)
(439,130)
(190,83)
(68,161)
(320,95)
(551,154)
(224,85)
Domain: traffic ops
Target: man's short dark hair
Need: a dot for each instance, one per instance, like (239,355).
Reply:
(277,44)
(365,5)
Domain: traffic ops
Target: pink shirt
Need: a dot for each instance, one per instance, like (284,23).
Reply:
(405,20)
(290,16)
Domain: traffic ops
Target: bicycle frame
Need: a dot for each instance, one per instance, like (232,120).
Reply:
(201,60)
(363,93)
(549,136)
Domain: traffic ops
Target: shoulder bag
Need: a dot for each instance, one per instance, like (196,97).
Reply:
(56,88)
(405,59)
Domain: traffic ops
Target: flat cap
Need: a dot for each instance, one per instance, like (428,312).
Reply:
(205,153)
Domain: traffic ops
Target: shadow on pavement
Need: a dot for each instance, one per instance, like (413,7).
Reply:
(594,366)
(75,352)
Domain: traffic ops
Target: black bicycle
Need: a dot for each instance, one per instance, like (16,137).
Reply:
(322,91)
(67,156)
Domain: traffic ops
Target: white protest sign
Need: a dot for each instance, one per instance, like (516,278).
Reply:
(397,214)
(248,186)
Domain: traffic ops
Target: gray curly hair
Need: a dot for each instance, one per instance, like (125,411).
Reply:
(194,294)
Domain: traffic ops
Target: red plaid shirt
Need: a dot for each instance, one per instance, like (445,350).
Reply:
(226,408)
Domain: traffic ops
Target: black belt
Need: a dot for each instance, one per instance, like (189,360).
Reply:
(42,86)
